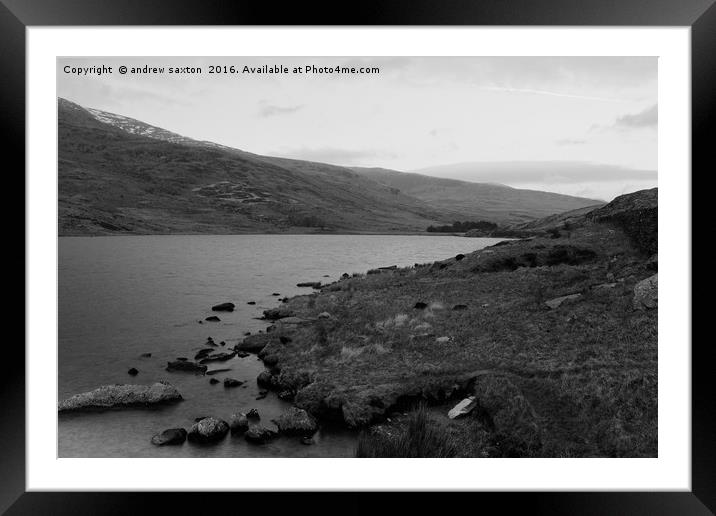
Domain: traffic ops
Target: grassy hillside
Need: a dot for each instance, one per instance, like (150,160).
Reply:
(557,379)
(111,180)
(478,201)
(120,175)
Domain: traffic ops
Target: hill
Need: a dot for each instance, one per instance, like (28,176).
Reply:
(478,201)
(119,175)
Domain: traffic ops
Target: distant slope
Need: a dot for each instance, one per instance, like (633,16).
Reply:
(120,175)
(484,201)
(521,172)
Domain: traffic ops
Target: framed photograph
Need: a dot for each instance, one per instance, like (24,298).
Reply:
(412,250)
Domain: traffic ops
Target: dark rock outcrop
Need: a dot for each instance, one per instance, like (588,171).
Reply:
(637,214)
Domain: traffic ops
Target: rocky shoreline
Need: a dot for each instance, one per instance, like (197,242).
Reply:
(507,346)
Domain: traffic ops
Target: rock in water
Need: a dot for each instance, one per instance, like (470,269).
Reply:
(463,408)
(133,371)
(170,436)
(259,434)
(231,382)
(313,284)
(213,381)
(208,430)
(557,301)
(183,365)
(212,318)
(253,343)
(239,423)
(277,313)
(111,396)
(646,293)
(224,307)
(296,421)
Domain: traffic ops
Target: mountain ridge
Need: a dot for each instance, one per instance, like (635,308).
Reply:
(119,175)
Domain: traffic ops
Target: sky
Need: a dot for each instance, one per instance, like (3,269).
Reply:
(577,125)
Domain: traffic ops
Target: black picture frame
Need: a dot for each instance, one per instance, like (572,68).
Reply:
(17,15)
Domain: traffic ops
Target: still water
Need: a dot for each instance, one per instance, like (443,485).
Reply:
(122,296)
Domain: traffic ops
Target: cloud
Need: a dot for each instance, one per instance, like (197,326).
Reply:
(268,110)
(569,141)
(334,155)
(549,93)
(647,118)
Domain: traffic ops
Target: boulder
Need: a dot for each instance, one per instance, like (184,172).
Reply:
(115,396)
(133,371)
(213,381)
(219,357)
(558,301)
(296,421)
(646,293)
(208,430)
(314,284)
(145,355)
(251,303)
(253,343)
(459,257)
(270,360)
(232,382)
(420,305)
(171,436)
(265,379)
(253,414)
(212,318)
(463,408)
(242,354)
(182,365)
(274,314)
(324,315)
(203,353)
(239,423)
(217,371)
(224,307)
(459,307)
(259,434)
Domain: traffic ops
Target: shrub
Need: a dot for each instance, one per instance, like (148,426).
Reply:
(419,437)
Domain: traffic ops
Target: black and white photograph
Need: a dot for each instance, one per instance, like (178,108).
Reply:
(357,257)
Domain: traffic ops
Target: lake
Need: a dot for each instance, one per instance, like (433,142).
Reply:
(122,296)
